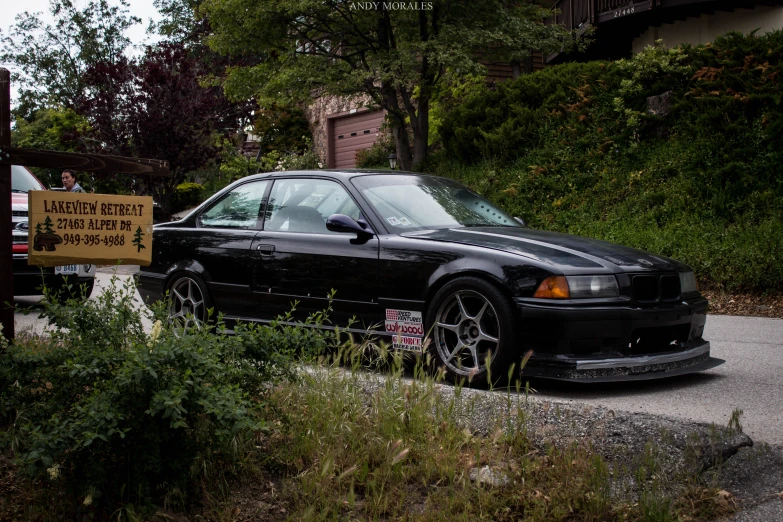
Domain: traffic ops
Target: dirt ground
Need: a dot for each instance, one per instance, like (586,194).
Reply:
(722,303)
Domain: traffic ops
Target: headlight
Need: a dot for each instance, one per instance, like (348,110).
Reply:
(577,287)
(688,283)
(593,286)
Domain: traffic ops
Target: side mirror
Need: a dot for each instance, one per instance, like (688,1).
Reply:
(347,225)
(520,221)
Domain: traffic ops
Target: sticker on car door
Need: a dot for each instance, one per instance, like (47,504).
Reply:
(407,327)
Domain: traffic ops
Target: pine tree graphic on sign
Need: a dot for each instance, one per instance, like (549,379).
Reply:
(48,226)
(45,238)
(137,239)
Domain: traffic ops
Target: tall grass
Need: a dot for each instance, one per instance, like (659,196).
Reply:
(382,446)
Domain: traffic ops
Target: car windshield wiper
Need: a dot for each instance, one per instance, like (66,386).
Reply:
(18,191)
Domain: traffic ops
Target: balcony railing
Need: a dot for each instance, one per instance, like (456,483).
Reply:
(574,14)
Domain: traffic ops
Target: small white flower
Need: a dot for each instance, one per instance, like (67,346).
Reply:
(320,165)
(156,328)
(87,500)
(54,472)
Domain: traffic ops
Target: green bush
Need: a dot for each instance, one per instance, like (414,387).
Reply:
(187,195)
(115,416)
(376,156)
(573,148)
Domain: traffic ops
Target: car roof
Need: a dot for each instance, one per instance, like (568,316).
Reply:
(344,174)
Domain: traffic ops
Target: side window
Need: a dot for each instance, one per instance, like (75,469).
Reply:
(240,208)
(303,205)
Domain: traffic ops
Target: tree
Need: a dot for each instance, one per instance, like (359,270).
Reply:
(50,61)
(393,58)
(282,129)
(55,128)
(156,107)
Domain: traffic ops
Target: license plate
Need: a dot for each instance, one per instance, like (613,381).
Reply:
(66,269)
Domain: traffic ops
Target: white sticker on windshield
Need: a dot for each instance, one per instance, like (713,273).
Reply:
(404,221)
(393,221)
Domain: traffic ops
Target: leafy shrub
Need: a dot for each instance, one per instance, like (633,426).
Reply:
(187,195)
(377,156)
(701,185)
(117,416)
(306,159)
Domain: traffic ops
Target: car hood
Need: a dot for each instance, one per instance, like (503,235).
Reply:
(568,253)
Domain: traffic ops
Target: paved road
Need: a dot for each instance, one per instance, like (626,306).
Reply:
(751,380)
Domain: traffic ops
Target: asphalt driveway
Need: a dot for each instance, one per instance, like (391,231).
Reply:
(750,380)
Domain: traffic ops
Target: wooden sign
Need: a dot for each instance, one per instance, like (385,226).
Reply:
(74,228)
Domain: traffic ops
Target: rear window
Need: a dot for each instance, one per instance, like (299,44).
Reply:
(22,180)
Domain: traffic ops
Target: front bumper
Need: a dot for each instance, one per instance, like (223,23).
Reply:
(599,342)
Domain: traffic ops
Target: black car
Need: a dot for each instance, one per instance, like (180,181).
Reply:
(415,258)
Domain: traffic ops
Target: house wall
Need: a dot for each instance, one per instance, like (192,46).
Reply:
(705,28)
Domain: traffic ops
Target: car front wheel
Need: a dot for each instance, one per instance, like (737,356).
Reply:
(470,322)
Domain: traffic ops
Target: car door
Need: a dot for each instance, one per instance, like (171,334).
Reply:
(300,260)
(222,246)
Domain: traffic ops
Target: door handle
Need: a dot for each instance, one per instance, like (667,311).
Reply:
(265,250)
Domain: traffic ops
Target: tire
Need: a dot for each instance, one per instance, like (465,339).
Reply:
(469,319)
(189,301)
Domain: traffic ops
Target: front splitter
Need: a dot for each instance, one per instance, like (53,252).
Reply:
(629,370)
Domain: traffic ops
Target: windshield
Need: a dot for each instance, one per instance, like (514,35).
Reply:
(23,181)
(408,203)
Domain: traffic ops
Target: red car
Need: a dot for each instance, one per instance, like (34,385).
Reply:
(28,279)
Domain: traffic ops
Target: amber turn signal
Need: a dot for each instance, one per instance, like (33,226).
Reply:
(553,287)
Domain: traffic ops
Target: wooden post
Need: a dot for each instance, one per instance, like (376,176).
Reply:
(6,255)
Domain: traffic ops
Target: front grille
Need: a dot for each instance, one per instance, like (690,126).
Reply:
(655,288)
(645,288)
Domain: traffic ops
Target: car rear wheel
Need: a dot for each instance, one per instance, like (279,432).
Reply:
(470,322)
(189,302)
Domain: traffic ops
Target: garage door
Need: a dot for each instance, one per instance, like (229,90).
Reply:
(355,132)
